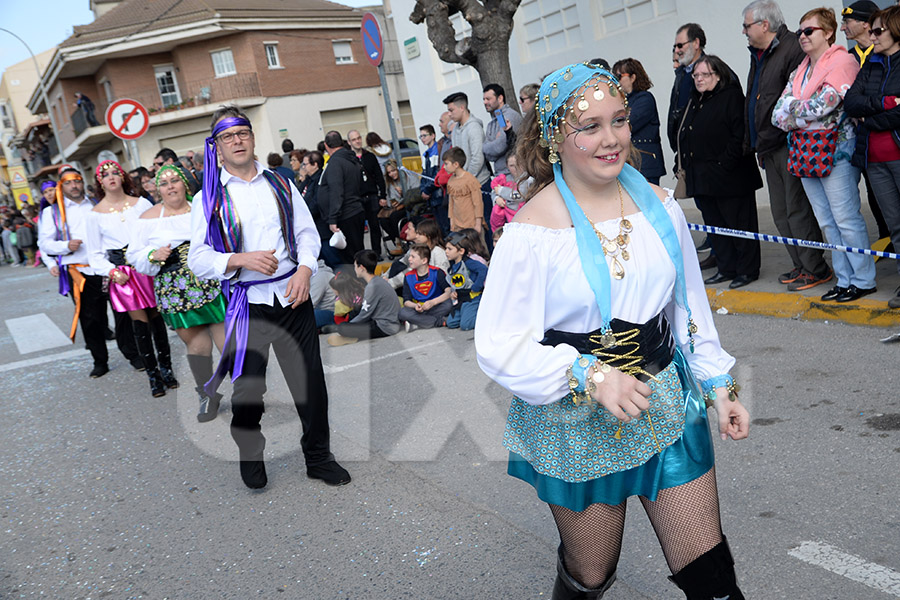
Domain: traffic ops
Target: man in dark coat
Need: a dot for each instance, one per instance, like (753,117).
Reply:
(690,40)
(340,189)
(774,54)
(373,188)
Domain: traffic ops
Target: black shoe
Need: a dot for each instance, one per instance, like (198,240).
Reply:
(209,407)
(168,377)
(253,472)
(329,329)
(791,276)
(99,371)
(709,262)
(855,293)
(137,363)
(157,386)
(834,292)
(717,278)
(330,472)
(110,335)
(741,281)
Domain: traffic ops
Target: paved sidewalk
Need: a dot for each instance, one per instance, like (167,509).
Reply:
(769,297)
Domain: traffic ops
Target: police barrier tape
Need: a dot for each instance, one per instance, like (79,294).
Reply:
(777,239)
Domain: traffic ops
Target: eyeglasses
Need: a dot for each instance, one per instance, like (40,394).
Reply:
(678,45)
(747,26)
(422,136)
(521,99)
(877,31)
(808,31)
(158,163)
(243,135)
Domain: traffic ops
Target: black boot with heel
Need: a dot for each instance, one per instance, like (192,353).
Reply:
(202,370)
(163,352)
(710,577)
(567,587)
(145,351)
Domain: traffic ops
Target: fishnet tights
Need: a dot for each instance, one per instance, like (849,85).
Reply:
(685,519)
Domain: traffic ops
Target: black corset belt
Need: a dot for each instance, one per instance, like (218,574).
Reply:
(177,258)
(117,257)
(639,350)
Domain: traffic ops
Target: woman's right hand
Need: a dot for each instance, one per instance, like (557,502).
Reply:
(161,254)
(121,277)
(622,395)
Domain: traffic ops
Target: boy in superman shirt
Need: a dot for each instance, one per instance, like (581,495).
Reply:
(426,292)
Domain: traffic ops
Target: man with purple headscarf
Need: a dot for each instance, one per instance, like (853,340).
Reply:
(252,230)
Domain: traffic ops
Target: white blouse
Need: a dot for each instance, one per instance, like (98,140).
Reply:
(536,282)
(111,231)
(151,234)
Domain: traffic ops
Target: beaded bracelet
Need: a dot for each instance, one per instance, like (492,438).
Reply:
(726,381)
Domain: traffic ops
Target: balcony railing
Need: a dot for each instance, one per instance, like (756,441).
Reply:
(201,91)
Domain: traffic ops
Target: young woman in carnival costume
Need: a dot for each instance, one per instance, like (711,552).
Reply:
(608,349)
(194,307)
(129,291)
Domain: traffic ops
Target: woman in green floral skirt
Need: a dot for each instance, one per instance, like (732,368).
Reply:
(194,307)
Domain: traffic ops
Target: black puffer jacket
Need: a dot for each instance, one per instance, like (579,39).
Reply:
(340,188)
(712,144)
(878,78)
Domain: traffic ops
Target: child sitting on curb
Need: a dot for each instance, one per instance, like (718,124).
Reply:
(428,232)
(426,292)
(377,317)
(466,277)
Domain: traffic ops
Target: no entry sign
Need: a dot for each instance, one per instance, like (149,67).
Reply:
(371,37)
(127,119)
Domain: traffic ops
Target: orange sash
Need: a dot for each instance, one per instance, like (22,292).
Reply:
(78,282)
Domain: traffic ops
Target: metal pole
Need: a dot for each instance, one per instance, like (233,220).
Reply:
(59,146)
(387,105)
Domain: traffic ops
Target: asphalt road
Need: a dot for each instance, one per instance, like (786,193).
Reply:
(106,492)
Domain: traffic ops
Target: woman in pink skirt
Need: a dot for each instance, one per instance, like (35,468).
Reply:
(108,232)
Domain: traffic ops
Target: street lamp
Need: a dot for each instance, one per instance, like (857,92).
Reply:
(62,152)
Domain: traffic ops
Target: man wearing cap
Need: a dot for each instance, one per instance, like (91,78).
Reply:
(855,25)
(63,226)
(252,230)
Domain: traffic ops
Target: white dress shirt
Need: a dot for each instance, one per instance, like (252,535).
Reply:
(536,282)
(257,209)
(111,231)
(77,215)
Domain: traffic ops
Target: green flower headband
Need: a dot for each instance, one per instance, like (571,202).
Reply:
(563,92)
(180,173)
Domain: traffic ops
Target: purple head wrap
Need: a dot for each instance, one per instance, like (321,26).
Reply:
(211,180)
(47,185)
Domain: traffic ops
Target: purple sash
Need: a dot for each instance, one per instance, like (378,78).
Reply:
(237,328)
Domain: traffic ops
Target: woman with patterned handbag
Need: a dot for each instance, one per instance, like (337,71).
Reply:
(595,317)
(820,145)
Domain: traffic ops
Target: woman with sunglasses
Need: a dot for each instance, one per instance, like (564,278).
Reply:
(719,175)
(821,141)
(108,236)
(194,308)
(595,318)
(874,99)
(644,117)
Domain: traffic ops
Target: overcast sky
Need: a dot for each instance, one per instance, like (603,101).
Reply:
(45,23)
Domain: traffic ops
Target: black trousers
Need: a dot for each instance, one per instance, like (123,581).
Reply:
(370,209)
(354,229)
(93,316)
(124,333)
(361,331)
(292,334)
(735,256)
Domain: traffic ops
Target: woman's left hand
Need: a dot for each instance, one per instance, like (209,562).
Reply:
(734,419)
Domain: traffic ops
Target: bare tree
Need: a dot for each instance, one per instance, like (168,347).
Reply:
(487,49)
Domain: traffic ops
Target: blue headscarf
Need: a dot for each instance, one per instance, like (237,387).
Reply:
(563,92)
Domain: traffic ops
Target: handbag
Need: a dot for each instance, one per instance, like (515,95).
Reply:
(811,152)
(680,191)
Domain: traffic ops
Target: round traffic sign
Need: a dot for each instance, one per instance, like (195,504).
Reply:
(371,37)
(127,119)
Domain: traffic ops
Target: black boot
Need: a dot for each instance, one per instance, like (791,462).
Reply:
(710,577)
(163,352)
(145,350)
(567,588)
(202,370)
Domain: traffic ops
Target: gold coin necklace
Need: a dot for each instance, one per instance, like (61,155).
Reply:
(616,247)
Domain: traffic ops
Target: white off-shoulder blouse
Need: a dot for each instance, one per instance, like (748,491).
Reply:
(536,282)
(111,231)
(151,234)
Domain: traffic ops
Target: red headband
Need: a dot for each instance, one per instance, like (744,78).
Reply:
(107,165)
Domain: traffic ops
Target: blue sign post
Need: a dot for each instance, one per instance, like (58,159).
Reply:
(374,46)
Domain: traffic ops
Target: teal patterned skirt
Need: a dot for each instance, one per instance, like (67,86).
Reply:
(558,455)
